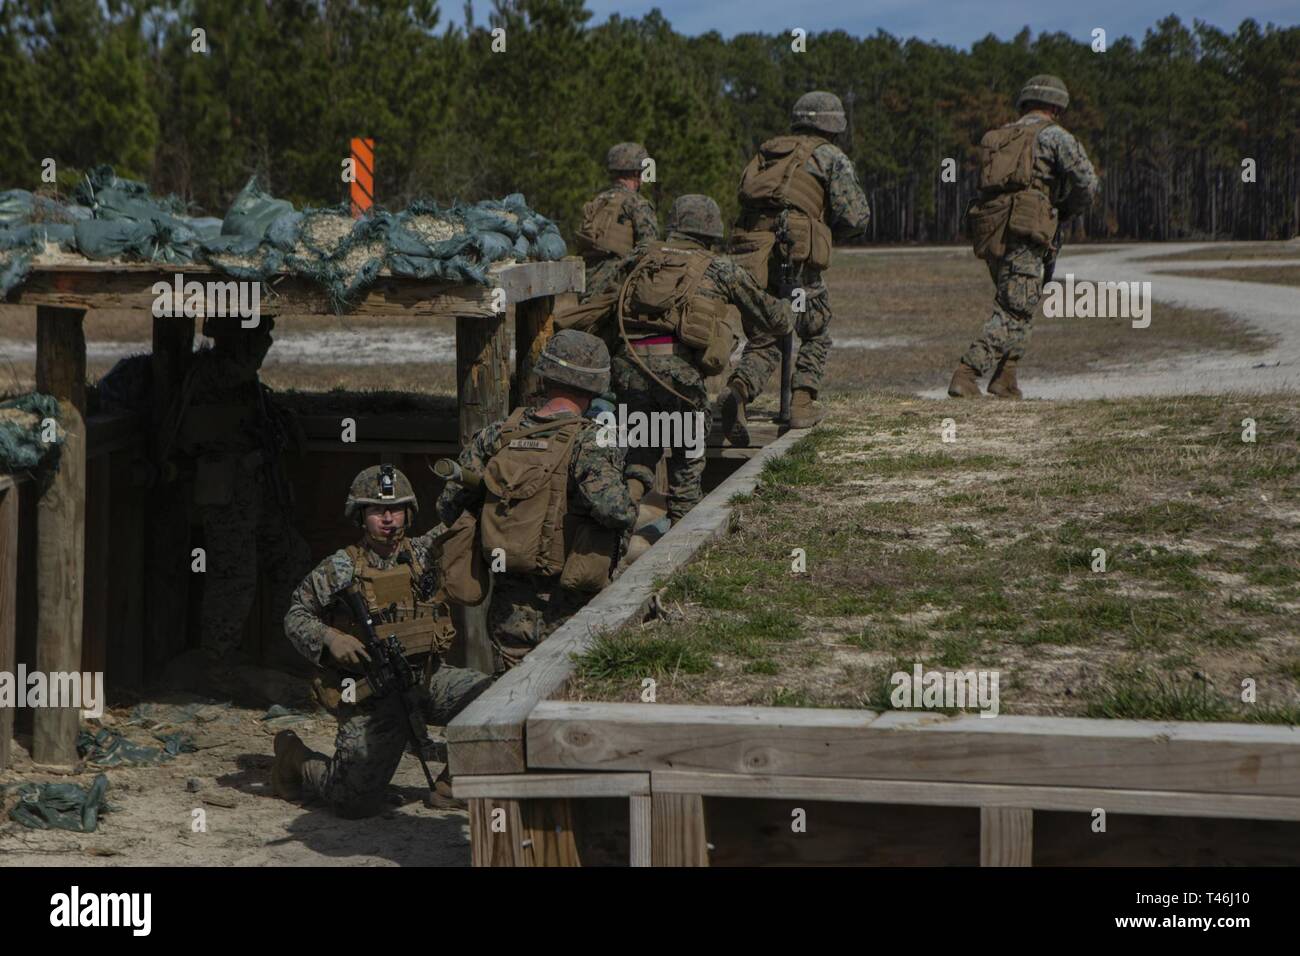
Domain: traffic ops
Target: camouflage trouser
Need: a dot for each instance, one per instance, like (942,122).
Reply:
(1019,279)
(763,351)
(372,737)
(247,540)
(525,610)
(641,393)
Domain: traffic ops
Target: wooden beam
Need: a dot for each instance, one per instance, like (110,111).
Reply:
(8,603)
(129,286)
(99,565)
(1006,836)
(524,786)
(677,830)
(61,529)
(1163,803)
(640,815)
(1042,751)
(125,666)
(488,736)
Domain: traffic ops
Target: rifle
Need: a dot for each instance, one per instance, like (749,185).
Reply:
(1049,270)
(387,670)
(789,281)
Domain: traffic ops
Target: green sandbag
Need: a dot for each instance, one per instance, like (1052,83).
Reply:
(253,211)
(21,445)
(63,806)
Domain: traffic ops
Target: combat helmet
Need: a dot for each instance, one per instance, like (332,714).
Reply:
(625,158)
(379,485)
(697,215)
(1044,88)
(818,110)
(577,360)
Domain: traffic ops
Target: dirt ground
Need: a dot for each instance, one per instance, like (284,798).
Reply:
(153,822)
(903,316)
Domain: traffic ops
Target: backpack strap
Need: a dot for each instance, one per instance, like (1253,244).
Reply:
(707,258)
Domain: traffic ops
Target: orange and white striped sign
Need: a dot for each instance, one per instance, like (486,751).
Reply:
(363,167)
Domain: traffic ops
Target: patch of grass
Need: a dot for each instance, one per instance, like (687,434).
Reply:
(1252,605)
(763,666)
(790,697)
(625,657)
(1166,517)
(1142,696)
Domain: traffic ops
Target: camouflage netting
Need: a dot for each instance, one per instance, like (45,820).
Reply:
(117,219)
(21,444)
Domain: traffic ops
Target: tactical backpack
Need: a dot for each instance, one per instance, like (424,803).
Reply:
(601,234)
(526,507)
(780,196)
(1012,202)
(660,296)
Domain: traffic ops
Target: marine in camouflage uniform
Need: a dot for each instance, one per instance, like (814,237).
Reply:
(525,609)
(635,211)
(1062,166)
(224,429)
(653,372)
(372,732)
(848,214)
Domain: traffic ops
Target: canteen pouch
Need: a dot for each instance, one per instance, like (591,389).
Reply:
(1032,217)
(986,225)
(753,250)
(464,572)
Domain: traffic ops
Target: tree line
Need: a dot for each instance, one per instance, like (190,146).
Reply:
(193,96)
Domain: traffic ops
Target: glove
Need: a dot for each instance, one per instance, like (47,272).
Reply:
(345,648)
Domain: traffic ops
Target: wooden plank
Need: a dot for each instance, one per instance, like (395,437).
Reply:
(550,840)
(938,794)
(1045,751)
(640,816)
(496,847)
(677,830)
(61,529)
(129,286)
(8,605)
(1006,836)
(520,786)
(487,737)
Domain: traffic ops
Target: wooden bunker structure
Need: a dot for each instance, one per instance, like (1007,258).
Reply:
(92,569)
(94,572)
(552,782)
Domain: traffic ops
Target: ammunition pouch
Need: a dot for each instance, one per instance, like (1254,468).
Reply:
(810,241)
(589,315)
(986,225)
(752,250)
(1032,217)
(591,552)
(464,573)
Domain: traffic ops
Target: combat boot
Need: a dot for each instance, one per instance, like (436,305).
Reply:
(1003,383)
(804,411)
(636,489)
(286,772)
(735,428)
(441,798)
(965,382)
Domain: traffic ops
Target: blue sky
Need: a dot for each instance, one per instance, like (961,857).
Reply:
(954,22)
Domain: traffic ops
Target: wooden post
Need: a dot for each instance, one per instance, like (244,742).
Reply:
(534,326)
(496,847)
(482,393)
(640,829)
(168,559)
(1006,836)
(8,602)
(549,823)
(61,528)
(677,830)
